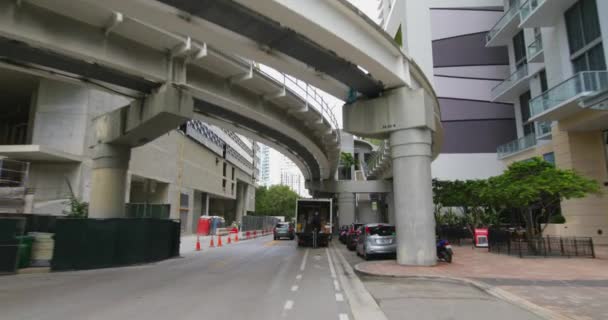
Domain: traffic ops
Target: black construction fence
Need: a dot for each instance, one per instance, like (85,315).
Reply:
(251,223)
(10,229)
(100,243)
(507,242)
(91,243)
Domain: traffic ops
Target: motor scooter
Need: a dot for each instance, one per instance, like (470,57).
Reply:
(444,251)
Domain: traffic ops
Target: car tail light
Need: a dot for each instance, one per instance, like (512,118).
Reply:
(366,230)
(290,229)
(446,243)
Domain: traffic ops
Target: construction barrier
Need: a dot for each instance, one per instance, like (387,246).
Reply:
(99,243)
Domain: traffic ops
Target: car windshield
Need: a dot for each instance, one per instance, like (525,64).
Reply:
(382,230)
(282,225)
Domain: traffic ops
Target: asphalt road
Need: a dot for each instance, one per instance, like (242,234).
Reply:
(256,279)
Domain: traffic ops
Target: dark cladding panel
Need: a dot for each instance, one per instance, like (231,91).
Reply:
(477,136)
(467,50)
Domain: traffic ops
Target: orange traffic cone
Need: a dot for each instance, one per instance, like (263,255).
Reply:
(198,244)
(236,237)
(211,244)
(219,240)
(229,239)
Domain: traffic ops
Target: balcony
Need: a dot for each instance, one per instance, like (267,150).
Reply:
(543,13)
(543,130)
(515,85)
(516,146)
(535,50)
(503,31)
(566,98)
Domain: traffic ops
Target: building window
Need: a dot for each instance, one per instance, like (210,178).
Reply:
(233,173)
(224,169)
(184,208)
(519,48)
(224,184)
(606,147)
(584,37)
(549,157)
(544,86)
(524,105)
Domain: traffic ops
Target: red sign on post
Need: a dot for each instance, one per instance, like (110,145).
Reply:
(481,237)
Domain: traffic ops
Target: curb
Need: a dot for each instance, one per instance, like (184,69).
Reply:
(491,290)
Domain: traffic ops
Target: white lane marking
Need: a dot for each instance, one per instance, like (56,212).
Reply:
(294,288)
(343,316)
(339,297)
(336,285)
(303,265)
(299,277)
(288,305)
(331,265)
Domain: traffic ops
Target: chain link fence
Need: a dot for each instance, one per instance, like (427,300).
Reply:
(251,223)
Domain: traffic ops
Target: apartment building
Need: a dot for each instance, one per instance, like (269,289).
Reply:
(464,71)
(46,134)
(558,85)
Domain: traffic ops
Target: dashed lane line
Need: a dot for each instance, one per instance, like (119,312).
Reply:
(339,297)
(288,305)
(299,277)
(342,316)
(331,265)
(336,285)
(303,265)
(294,288)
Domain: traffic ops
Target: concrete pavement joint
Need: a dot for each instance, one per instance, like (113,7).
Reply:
(491,290)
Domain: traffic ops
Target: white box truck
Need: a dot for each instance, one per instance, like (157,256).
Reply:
(314,222)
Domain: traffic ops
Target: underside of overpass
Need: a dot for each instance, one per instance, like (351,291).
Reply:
(165,55)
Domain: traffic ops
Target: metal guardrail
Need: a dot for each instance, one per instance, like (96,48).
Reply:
(517,145)
(583,83)
(535,47)
(504,242)
(375,161)
(509,82)
(528,7)
(503,21)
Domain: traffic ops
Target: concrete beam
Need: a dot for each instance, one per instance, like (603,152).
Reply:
(350,186)
(143,121)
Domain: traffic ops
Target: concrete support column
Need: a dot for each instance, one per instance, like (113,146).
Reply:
(346,207)
(240,202)
(412,195)
(205,204)
(109,181)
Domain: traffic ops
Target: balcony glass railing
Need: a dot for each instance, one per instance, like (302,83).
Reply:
(528,7)
(515,146)
(515,77)
(504,20)
(543,129)
(586,82)
(535,47)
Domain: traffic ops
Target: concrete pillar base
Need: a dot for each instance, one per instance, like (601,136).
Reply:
(109,181)
(346,208)
(412,196)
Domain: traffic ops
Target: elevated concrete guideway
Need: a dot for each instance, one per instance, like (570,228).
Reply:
(88,44)
(326,43)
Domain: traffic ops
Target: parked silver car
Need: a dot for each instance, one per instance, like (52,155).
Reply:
(376,239)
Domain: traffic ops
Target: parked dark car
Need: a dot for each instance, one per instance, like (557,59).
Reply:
(353,235)
(376,239)
(343,233)
(284,230)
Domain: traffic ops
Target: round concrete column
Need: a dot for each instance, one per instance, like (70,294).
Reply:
(109,181)
(412,196)
(346,208)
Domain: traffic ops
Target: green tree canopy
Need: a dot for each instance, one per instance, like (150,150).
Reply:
(536,188)
(275,200)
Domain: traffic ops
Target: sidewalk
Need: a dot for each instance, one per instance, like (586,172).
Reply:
(574,287)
